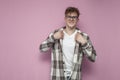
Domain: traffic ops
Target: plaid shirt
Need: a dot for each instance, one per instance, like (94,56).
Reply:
(58,65)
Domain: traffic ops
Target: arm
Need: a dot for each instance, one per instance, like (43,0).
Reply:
(89,50)
(48,43)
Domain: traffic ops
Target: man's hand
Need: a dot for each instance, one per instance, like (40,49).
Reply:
(59,35)
(80,39)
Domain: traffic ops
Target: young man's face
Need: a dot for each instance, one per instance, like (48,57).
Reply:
(71,20)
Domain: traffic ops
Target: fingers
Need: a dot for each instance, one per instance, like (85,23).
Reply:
(60,34)
(76,36)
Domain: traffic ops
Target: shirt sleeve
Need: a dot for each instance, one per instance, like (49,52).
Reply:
(48,43)
(89,50)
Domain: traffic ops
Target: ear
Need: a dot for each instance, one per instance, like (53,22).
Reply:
(64,18)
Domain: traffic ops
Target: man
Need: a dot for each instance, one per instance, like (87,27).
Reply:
(68,46)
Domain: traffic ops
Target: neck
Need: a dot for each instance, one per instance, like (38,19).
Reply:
(69,30)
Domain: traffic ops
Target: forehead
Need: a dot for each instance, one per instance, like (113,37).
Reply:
(72,14)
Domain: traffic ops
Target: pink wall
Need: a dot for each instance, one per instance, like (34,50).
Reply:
(24,24)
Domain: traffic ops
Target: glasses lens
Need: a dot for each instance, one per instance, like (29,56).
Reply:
(72,17)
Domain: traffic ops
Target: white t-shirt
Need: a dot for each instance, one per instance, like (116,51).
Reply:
(68,51)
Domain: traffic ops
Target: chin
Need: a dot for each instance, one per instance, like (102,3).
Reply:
(72,26)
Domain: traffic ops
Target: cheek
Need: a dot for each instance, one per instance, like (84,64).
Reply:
(76,21)
(66,20)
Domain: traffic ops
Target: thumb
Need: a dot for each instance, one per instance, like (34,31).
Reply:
(76,36)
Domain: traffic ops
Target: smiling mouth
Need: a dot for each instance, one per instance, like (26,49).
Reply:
(71,22)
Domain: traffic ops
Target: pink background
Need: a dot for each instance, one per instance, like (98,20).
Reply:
(24,24)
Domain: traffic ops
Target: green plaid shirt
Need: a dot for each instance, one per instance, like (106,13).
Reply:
(57,64)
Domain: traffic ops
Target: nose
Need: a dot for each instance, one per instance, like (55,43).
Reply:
(71,18)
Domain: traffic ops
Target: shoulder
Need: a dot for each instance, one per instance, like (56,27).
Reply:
(58,29)
(84,34)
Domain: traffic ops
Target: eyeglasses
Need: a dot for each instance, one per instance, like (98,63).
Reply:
(72,17)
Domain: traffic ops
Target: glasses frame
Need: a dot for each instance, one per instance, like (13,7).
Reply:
(72,17)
